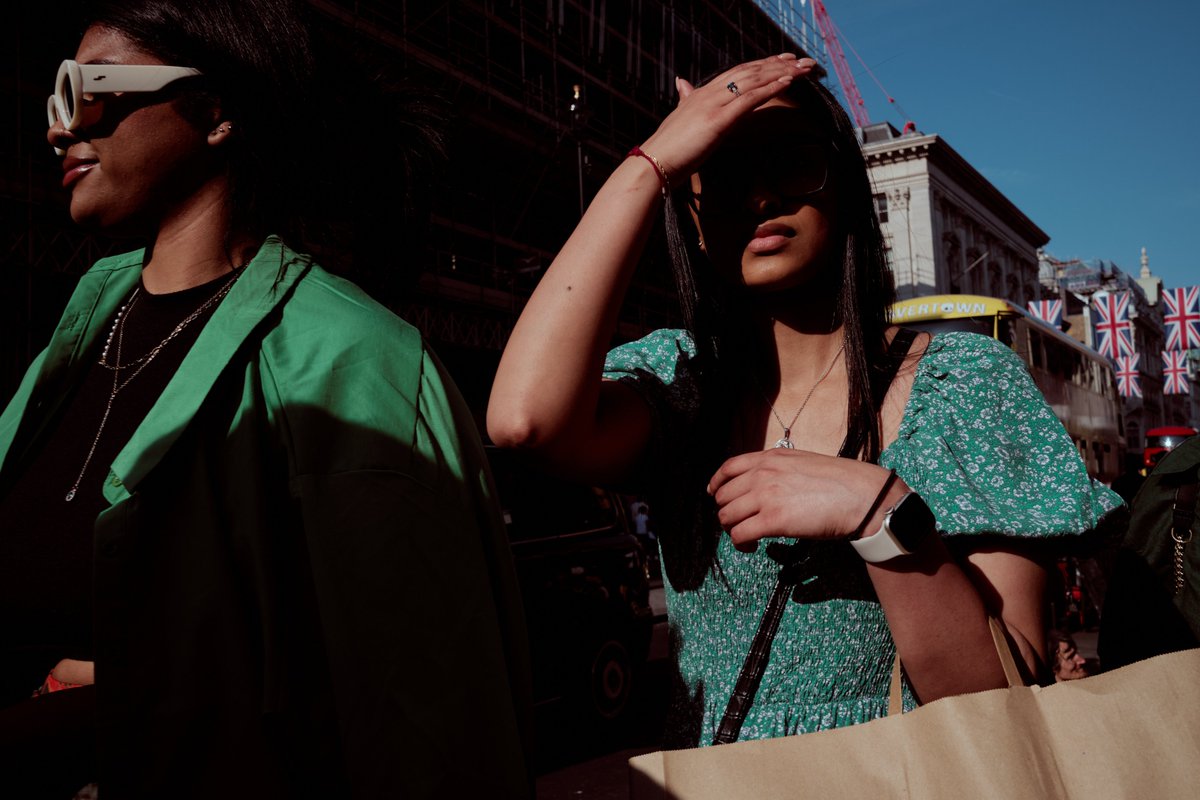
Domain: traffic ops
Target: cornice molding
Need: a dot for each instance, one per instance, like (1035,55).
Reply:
(934,149)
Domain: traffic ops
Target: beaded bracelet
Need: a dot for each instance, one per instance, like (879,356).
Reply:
(663,178)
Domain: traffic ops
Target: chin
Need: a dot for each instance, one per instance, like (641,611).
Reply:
(96,220)
(760,281)
(88,221)
(86,213)
(811,274)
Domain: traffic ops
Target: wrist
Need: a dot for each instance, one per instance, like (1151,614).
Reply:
(660,170)
(894,494)
(886,491)
(905,526)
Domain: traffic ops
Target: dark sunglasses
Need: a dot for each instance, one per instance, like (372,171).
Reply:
(789,169)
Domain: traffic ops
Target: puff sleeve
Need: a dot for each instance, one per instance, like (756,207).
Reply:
(980,444)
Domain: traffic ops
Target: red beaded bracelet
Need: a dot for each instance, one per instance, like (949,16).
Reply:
(658,167)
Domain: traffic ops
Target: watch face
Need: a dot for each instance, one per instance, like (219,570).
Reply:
(911,521)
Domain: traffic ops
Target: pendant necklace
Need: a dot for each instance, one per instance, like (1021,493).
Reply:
(786,441)
(118,332)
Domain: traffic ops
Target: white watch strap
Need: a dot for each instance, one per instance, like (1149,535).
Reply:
(879,546)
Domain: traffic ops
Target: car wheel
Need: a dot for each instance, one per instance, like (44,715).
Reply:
(610,679)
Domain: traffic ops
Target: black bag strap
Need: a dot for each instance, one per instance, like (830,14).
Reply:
(755,665)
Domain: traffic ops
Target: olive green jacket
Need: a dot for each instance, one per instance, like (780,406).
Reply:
(302,585)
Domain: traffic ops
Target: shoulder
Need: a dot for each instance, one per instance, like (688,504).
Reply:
(329,321)
(1179,464)
(331,343)
(1153,506)
(969,381)
(346,314)
(961,352)
(1156,497)
(970,369)
(336,357)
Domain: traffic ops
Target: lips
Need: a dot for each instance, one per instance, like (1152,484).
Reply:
(74,168)
(769,237)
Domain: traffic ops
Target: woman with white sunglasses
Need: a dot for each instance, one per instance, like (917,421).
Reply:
(233,485)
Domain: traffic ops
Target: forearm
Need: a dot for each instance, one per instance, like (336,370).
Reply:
(548,382)
(938,607)
(939,623)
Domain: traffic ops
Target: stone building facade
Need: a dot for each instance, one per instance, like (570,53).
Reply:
(947,228)
(1077,283)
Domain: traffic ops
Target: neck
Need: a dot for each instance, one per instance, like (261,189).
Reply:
(801,358)
(800,337)
(196,243)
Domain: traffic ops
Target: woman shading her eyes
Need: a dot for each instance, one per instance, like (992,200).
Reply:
(896,482)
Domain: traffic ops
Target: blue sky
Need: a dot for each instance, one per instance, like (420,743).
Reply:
(1085,114)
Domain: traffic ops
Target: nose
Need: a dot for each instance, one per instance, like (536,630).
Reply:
(59,137)
(762,197)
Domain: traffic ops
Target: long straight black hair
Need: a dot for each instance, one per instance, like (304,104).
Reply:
(716,320)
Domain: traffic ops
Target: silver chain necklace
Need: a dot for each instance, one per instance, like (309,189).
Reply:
(786,441)
(118,332)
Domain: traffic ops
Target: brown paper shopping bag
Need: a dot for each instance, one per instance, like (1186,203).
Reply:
(1130,733)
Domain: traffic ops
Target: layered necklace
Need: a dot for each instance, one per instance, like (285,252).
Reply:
(786,441)
(134,368)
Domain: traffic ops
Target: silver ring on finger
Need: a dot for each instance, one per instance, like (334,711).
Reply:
(732,87)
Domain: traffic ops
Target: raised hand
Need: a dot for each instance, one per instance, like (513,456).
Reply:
(704,115)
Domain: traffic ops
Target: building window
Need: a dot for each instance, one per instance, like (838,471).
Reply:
(881,207)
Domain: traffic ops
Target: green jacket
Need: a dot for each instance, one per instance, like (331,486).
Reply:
(1143,614)
(302,581)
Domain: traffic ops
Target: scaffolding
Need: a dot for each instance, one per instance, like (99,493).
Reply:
(546,98)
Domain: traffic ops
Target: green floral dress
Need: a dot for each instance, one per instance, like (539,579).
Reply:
(976,440)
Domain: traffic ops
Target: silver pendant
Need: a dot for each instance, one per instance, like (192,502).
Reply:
(786,442)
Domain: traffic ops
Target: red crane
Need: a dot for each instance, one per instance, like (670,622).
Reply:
(858,109)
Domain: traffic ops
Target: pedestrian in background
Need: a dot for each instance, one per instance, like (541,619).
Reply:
(642,522)
(1065,661)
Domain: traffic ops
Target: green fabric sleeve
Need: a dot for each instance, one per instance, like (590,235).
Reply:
(984,449)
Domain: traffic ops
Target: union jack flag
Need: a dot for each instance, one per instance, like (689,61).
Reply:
(1175,379)
(1114,331)
(1129,382)
(1048,311)
(1181,317)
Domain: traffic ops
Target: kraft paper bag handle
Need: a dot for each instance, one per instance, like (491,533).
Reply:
(1003,650)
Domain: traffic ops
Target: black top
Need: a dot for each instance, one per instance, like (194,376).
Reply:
(46,541)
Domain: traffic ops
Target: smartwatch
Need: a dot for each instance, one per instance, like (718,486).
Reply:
(904,526)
